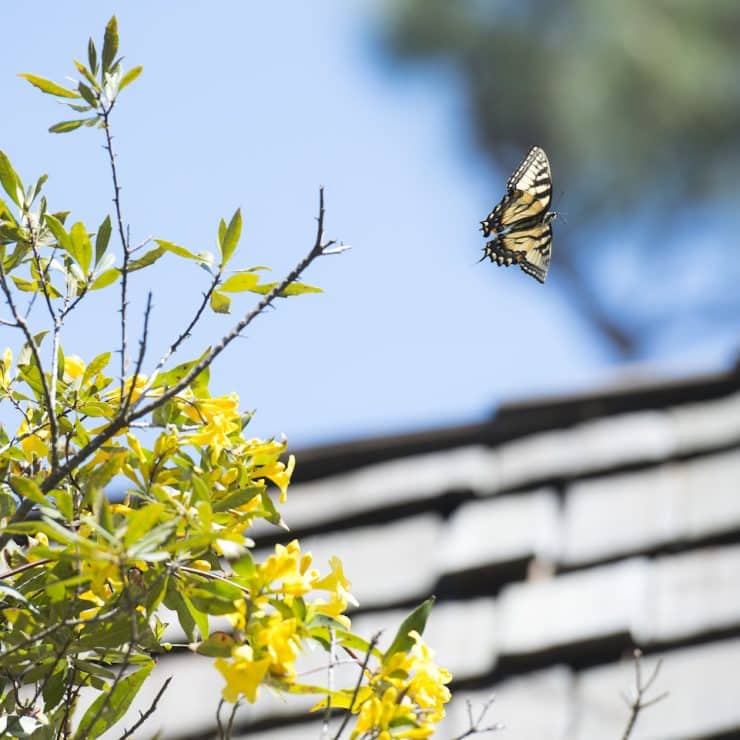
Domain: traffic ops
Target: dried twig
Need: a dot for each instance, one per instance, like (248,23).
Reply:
(144,716)
(475,728)
(638,702)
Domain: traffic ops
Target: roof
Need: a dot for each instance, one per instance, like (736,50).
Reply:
(556,536)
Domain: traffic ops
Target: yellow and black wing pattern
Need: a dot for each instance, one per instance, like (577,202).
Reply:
(520,223)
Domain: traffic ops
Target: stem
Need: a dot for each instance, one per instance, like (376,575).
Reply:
(105,112)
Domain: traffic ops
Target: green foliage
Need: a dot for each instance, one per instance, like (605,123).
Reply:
(87,575)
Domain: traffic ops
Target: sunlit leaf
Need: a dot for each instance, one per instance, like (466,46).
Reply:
(10,180)
(110,44)
(92,56)
(80,246)
(148,259)
(106,278)
(64,126)
(129,77)
(239,282)
(220,303)
(49,87)
(231,237)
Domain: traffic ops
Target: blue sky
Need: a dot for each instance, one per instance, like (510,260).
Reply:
(254,106)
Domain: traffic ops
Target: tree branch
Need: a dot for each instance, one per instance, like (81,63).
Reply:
(144,716)
(638,701)
(124,420)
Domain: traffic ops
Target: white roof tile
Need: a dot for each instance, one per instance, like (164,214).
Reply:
(537,615)
(500,529)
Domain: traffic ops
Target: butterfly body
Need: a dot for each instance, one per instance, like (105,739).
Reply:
(520,223)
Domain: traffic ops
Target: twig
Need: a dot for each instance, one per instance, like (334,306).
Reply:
(475,728)
(186,332)
(144,716)
(345,721)
(638,702)
(142,352)
(124,420)
(105,111)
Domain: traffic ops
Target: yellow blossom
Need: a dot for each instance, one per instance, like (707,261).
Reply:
(279,474)
(34,444)
(280,641)
(74,367)
(291,567)
(243,674)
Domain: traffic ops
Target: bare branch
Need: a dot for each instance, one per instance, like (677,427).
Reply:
(144,716)
(105,114)
(142,352)
(638,701)
(475,724)
(370,648)
(186,332)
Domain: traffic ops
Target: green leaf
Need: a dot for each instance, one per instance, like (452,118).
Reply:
(217,645)
(80,247)
(64,126)
(88,75)
(140,521)
(220,303)
(417,620)
(12,593)
(57,229)
(148,259)
(64,503)
(231,237)
(240,282)
(177,249)
(27,286)
(92,56)
(109,709)
(49,87)
(88,95)
(10,181)
(292,289)
(110,44)
(129,77)
(102,238)
(27,488)
(106,278)
(221,234)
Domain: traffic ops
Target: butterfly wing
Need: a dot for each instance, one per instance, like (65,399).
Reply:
(529,247)
(533,176)
(528,194)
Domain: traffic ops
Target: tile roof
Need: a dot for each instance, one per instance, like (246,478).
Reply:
(556,536)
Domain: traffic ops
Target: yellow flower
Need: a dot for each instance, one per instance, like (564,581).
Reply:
(243,674)
(280,641)
(34,444)
(74,367)
(219,418)
(279,474)
(92,611)
(291,568)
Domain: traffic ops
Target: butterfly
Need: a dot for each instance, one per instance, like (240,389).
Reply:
(520,223)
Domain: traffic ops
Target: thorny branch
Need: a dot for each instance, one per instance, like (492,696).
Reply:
(136,411)
(105,114)
(638,702)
